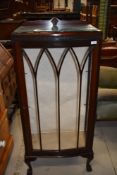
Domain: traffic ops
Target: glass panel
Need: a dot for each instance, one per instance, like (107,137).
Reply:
(57,77)
(47,103)
(68,91)
(82,139)
(56,54)
(30,86)
(32,54)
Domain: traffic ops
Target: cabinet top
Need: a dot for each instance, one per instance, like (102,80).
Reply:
(56,30)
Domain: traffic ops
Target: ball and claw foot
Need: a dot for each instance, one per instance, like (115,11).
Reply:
(88,166)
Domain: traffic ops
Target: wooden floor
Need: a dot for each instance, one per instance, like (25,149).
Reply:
(104,163)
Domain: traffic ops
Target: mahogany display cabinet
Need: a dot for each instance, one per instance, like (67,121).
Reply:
(57,66)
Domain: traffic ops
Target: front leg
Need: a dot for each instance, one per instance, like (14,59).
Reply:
(29,170)
(28,162)
(88,165)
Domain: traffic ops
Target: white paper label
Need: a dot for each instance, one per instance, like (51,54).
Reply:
(93,42)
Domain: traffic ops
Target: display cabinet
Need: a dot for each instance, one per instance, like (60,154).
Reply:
(57,65)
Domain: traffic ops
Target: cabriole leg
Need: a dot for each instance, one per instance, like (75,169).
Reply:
(88,165)
(29,170)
